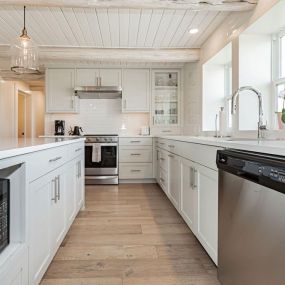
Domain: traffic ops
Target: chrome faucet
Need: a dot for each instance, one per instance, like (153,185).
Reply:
(261,126)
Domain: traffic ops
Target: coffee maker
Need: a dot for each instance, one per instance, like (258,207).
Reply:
(59,127)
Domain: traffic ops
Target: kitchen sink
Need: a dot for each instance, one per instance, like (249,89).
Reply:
(253,139)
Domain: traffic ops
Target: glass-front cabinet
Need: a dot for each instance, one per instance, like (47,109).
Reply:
(166,100)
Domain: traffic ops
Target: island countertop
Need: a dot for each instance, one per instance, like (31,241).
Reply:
(14,147)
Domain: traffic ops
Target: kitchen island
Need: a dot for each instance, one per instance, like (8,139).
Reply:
(46,191)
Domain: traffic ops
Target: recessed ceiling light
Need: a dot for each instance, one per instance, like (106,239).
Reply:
(194,31)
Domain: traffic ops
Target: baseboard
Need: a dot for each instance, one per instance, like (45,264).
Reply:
(138,181)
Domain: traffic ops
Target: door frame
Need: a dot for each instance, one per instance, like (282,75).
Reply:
(28,95)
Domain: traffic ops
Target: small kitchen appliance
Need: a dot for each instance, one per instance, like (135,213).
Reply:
(76,131)
(59,127)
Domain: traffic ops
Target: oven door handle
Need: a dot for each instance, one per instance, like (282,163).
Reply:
(102,144)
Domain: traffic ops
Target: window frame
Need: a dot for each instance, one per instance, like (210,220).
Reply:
(277,78)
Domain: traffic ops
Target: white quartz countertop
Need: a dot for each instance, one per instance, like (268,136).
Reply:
(276,147)
(14,147)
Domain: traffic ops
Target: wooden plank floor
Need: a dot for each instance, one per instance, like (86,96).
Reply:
(130,235)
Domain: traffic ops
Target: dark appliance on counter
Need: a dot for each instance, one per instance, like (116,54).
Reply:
(4,213)
(251,218)
(76,131)
(59,127)
(101,159)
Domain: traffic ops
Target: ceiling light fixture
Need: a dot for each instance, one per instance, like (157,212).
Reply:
(193,31)
(24,53)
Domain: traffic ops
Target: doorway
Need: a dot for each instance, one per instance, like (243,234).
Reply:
(24,115)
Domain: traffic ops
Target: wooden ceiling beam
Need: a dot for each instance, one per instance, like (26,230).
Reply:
(211,5)
(113,54)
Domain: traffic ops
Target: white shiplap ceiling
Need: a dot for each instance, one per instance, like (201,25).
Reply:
(110,28)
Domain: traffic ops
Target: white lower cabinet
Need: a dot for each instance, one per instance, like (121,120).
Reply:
(207,211)
(39,228)
(188,207)
(55,199)
(79,183)
(70,192)
(174,179)
(57,209)
(193,190)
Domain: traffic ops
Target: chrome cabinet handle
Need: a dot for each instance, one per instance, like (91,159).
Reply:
(162,159)
(191,177)
(194,178)
(135,170)
(78,149)
(79,169)
(55,190)
(135,141)
(136,154)
(55,159)
(166,131)
(171,146)
(162,143)
(125,104)
(97,81)
(100,81)
(57,180)
(170,155)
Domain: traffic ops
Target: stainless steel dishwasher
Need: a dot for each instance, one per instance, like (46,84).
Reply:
(251,218)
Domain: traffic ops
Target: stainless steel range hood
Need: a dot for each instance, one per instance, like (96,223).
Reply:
(98,92)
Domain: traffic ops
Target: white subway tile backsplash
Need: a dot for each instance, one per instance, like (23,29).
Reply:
(100,116)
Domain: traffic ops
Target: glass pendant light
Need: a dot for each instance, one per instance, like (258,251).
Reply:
(24,53)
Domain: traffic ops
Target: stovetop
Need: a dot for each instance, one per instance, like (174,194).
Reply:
(101,135)
(101,138)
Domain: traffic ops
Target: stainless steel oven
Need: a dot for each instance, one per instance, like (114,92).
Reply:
(101,159)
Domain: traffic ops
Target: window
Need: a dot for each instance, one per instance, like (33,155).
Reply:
(279,76)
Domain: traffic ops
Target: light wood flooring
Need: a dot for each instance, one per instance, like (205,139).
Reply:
(130,235)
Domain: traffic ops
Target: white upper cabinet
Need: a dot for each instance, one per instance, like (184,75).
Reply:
(98,77)
(166,89)
(60,91)
(87,77)
(110,77)
(136,90)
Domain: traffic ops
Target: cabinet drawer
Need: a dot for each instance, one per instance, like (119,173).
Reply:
(135,155)
(135,141)
(135,170)
(163,160)
(42,162)
(76,149)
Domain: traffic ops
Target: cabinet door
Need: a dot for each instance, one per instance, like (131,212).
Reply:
(174,179)
(39,228)
(57,215)
(110,77)
(207,223)
(70,192)
(80,184)
(136,90)
(87,77)
(60,91)
(189,201)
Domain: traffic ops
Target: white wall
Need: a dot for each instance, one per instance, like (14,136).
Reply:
(99,116)
(9,109)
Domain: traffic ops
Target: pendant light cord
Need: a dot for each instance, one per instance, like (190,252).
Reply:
(24,17)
